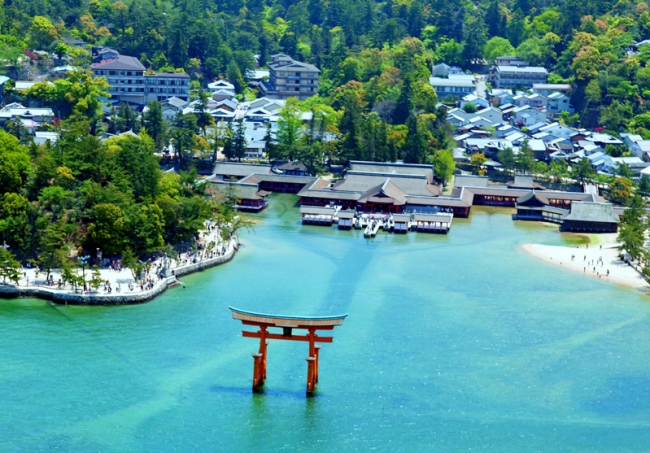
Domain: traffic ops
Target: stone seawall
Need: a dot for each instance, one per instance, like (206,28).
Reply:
(65,296)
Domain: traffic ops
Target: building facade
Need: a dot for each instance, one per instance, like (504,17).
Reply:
(129,83)
(290,78)
(517,76)
(454,87)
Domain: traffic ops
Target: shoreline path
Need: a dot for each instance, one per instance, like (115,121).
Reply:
(130,291)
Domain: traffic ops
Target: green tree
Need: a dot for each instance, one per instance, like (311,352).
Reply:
(582,170)
(497,47)
(289,128)
(621,190)
(507,158)
(239,141)
(616,116)
(132,263)
(15,228)
(96,279)
(623,170)
(79,93)
(42,32)
(228,147)
(53,250)
(155,125)
(443,165)
(475,39)
(470,108)
(10,268)
(234,76)
(559,169)
(15,165)
(631,233)
(107,229)
(416,146)
(183,135)
(644,185)
(525,158)
(271,146)
(477,161)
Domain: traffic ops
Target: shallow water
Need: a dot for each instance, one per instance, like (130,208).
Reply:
(453,343)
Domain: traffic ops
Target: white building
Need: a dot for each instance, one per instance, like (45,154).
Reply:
(456,86)
(559,102)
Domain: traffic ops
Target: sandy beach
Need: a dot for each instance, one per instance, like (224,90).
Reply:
(587,261)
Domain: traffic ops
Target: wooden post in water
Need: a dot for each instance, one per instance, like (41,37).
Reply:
(287,324)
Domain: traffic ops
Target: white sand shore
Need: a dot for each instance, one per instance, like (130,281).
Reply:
(587,258)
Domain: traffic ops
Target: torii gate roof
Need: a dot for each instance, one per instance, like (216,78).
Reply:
(286,320)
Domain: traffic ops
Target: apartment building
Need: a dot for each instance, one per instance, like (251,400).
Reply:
(164,85)
(129,83)
(517,76)
(288,77)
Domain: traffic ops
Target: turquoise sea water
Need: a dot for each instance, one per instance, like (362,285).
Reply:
(453,343)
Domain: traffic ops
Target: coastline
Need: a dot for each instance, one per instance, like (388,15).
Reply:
(587,258)
(68,296)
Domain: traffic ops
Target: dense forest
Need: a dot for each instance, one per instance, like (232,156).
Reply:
(375,101)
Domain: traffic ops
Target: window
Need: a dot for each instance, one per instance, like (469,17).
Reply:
(281,73)
(310,74)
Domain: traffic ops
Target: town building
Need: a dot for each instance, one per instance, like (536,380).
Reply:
(163,85)
(511,60)
(546,89)
(29,118)
(559,102)
(475,100)
(453,87)
(517,76)
(290,78)
(220,85)
(443,70)
(129,83)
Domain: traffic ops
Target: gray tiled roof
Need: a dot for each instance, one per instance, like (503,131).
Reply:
(363,183)
(470,180)
(170,74)
(240,170)
(243,191)
(317,210)
(390,168)
(592,212)
(121,63)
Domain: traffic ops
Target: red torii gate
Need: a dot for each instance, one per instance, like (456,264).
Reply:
(287,324)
